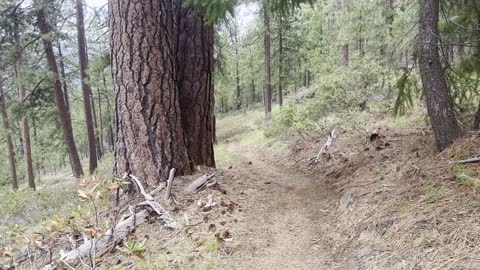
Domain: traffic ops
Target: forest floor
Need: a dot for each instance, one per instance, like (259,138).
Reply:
(390,203)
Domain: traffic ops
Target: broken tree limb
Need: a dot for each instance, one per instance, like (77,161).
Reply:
(330,139)
(168,193)
(465,161)
(147,196)
(109,238)
(199,184)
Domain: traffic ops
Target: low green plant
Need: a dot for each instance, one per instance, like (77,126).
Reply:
(425,240)
(433,193)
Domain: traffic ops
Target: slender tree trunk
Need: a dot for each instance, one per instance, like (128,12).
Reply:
(345,55)
(59,98)
(100,118)
(27,149)
(98,146)
(64,78)
(254,95)
(86,89)
(439,103)
(195,60)
(150,137)
(268,76)
(280,63)
(237,70)
(8,136)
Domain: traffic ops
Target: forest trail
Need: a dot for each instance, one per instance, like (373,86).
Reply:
(287,213)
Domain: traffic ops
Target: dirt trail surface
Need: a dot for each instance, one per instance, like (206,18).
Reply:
(393,203)
(286,213)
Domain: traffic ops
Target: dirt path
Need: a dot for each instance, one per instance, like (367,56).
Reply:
(287,215)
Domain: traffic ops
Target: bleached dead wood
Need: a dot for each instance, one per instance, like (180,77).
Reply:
(465,161)
(113,236)
(330,139)
(199,184)
(142,189)
(168,193)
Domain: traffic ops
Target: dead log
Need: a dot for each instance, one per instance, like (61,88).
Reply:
(199,184)
(465,161)
(330,139)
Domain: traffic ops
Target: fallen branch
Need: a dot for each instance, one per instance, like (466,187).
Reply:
(317,158)
(199,184)
(168,193)
(465,161)
(113,236)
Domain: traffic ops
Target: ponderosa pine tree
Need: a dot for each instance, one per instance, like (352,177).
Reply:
(150,137)
(59,97)
(86,89)
(195,83)
(22,93)
(268,72)
(439,103)
(8,135)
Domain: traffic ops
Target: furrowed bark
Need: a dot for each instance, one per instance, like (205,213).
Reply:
(195,82)
(439,103)
(150,139)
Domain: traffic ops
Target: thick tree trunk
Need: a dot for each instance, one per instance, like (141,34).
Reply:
(59,98)
(268,74)
(195,82)
(439,103)
(22,93)
(86,89)
(8,136)
(150,137)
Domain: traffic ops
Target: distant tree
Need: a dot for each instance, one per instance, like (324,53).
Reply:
(439,103)
(8,135)
(86,89)
(57,85)
(27,148)
(268,63)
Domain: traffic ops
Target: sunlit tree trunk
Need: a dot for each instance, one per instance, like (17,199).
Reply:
(439,102)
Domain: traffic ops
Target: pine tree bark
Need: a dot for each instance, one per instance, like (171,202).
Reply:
(268,73)
(64,78)
(8,137)
(59,97)
(150,137)
(86,89)
(195,82)
(439,103)
(22,93)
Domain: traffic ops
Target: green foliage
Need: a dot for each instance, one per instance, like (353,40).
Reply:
(407,87)
(433,193)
